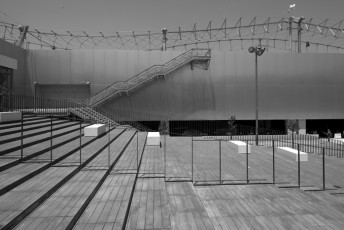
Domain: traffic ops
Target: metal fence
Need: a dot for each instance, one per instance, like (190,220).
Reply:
(67,109)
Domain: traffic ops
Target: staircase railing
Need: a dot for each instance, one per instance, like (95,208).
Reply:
(148,74)
(63,108)
(102,115)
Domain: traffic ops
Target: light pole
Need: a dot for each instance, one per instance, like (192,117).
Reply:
(164,39)
(258,51)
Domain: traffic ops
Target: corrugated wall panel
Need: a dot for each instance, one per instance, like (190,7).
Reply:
(82,66)
(307,86)
(110,68)
(99,72)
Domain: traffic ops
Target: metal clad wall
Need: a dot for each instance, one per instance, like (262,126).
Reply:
(59,91)
(291,86)
(303,86)
(99,61)
(82,65)
(110,68)
(49,67)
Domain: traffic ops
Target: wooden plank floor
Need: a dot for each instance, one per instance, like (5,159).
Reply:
(233,165)
(27,120)
(255,206)
(107,209)
(85,152)
(157,205)
(42,145)
(56,124)
(149,208)
(10,206)
(13,143)
(27,123)
(178,157)
(268,207)
(19,171)
(67,201)
(177,204)
(20,198)
(30,127)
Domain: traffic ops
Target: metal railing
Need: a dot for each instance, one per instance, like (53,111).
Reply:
(308,143)
(66,109)
(148,74)
(72,108)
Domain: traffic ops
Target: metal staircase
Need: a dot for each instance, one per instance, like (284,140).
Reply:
(100,115)
(193,56)
(88,114)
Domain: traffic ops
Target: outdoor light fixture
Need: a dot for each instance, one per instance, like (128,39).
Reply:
(251,49)
(164,39)
(258,50)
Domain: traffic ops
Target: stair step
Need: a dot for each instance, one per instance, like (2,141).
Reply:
(47,184)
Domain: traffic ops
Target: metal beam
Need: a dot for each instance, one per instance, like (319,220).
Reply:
(209,30)
(238,27)
(253,31)
(224,26)
(23,30)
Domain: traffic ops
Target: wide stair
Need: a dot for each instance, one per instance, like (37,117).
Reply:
(59,173)
(193,56)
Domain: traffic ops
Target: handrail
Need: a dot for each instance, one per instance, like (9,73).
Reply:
(147,73)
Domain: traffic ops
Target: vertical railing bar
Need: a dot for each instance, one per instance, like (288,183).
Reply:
(298,166)
(165,156)
(247,162)
(324,186)
(192,166)
(51,138)
(220,161)
(80,143)
(273,162)
(22,136)
(137,151)
(109,138)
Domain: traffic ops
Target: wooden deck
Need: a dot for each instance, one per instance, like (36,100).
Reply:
(214,204)
(206,190)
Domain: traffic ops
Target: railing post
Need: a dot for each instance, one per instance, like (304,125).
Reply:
(298,166)
(109,164)
(323,156)
(273,161)
(22,136)
(137,151)
(80,142)
(247,162)
(51,139)
(220,161)
(165,156)
(192,171)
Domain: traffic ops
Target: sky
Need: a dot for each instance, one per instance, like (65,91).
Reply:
(153,15)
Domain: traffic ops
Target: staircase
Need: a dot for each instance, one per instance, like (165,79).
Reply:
(102,116)
(88,114)
(193,56)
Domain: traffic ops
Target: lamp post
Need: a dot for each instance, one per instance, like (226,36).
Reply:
(258,51)
(164,39)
